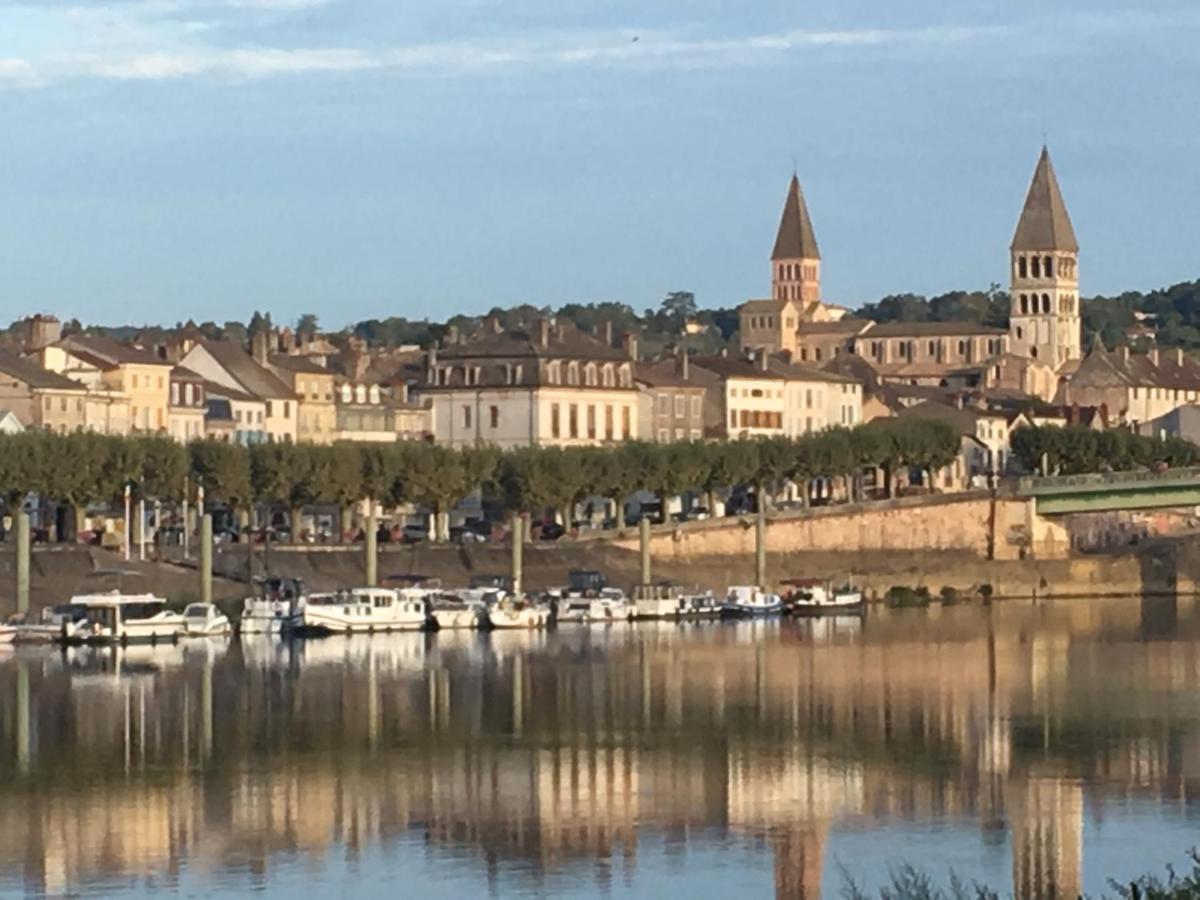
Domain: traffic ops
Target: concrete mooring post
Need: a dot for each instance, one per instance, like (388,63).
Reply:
(371,543)
(518,548)
(760,547)
(644,543)
(23,561)
(206,558)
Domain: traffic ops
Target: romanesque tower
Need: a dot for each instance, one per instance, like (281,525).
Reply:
(1046,319)
(796,260)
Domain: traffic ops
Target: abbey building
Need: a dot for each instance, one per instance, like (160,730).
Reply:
(1041,344)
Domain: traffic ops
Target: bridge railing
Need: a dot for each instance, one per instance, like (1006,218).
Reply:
(1098,481)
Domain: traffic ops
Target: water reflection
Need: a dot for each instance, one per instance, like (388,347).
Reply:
(557,759)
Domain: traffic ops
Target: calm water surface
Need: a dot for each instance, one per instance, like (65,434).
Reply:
(1040,749)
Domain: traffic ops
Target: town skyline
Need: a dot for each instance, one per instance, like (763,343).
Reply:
(235,155)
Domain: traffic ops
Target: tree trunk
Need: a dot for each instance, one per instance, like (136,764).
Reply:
(346,521)
(296,521)
(890,479)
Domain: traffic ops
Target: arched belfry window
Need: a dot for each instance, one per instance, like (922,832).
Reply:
(1022,268)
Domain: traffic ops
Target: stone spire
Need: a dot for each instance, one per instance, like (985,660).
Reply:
(796,239)
(1045,224)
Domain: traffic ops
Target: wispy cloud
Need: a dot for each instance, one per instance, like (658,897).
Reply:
(175,39)
(128,58)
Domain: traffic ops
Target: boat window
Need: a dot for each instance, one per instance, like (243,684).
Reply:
(196,611)
(383,602)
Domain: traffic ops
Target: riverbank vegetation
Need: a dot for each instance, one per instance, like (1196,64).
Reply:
(82,469)
(1078,450)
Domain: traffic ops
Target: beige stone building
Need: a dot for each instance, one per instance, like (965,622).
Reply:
(1046,320)
(670,405)
(189,406)
(1133,388)
(549,385)
(115,373)
(229,366)
(313,385)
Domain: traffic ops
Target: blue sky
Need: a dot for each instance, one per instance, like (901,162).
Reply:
(358,158)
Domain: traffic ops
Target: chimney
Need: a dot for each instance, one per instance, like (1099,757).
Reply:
(681,365)
(1153,354)
(431,359)
(764,360)
(260,347)
(452,335)
(1124,353)
(560,329)
(1179,356)
(492,325)
(544,333)
(608,333)
(401,390)
(629,343)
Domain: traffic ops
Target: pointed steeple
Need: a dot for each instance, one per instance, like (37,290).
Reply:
(797,239)
(1045,224)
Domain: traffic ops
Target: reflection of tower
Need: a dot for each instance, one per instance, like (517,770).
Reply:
(1047,825)
(799,859)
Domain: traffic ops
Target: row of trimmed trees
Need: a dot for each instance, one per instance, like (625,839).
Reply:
(1076,450)
(79,470)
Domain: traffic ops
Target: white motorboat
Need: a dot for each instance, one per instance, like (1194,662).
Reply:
(669,601)
(205,620)
(64,622)
(574,602)
(518,612)
(269,610)
(451,612)
(751,601)
(816,597)
(611,606)
(571,608)
(358,610)
(116,618)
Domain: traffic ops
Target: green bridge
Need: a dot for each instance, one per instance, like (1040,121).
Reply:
(1112,492)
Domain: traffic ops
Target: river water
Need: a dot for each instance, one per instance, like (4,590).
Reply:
(1040,749)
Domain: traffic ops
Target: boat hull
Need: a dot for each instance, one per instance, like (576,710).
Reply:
(519,618)
(456,619)
(319,622)
(739,611)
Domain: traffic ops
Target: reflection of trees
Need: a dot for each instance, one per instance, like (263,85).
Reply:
(548,755)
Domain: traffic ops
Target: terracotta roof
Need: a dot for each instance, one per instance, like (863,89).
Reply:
(963,419)
(112,352)
(1044,223)
(751,307)
(841,326)
(34,375)
(796,238)
(253,378)
(735,367)
(664,374)
(183,373)
(932,329)
(563,341)
(799,372)
(302,364)
(853,366)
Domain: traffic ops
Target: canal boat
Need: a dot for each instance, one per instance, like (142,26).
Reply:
(116,618)
(205,620)
(518,612)
(818,597)
(361,610)
(271,607)
(55,622)
(452,612)
(670,601)
(611,606)
(573,603)
(750,601)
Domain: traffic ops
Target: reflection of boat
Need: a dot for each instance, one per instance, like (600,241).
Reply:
(8,633)
(816,597)
(383,653)
(205,620)
(669,601)
(514,612)
(362,610)
(117,618)
(747,601)
(267,612)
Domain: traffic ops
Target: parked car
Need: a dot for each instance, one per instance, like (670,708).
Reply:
(415,533)
(476,532)
(549,531)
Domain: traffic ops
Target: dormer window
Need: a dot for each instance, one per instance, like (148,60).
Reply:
(573,373)
(554,372)
(347,393)
(625,375)
(608,376)
(589,375)
(373,393)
